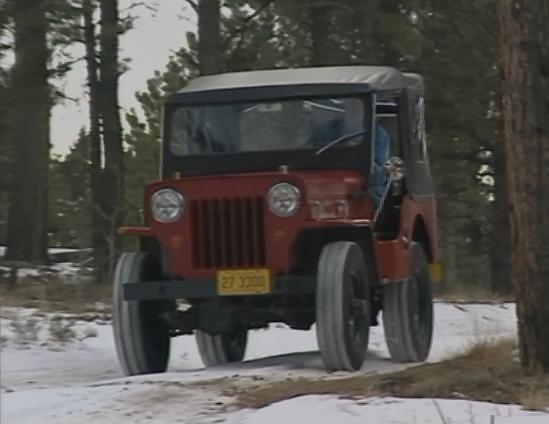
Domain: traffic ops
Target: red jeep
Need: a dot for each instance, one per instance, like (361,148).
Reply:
(299,196)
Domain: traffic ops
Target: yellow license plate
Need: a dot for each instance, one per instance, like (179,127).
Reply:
(243,281)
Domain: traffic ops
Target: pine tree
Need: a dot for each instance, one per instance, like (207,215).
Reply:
(209,39)
(70,196)
(6,148)
(525,53)
(106,152)
(459,61)
(29,129)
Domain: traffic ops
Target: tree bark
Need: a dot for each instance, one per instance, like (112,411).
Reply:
(500,249)
(29,127)
(93,81)
(525,54)
(364,21)
(109,181)
(6,154)
(100,247)
(106,152)
(320,33)
(209,37)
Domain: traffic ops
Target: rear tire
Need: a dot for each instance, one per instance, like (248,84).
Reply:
(342,306)
(222,348)
(141,336)
(408,313)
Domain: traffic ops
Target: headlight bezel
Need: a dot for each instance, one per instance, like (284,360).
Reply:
(178,203)
(290,189)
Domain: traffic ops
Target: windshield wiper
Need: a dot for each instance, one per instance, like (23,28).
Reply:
(340,139)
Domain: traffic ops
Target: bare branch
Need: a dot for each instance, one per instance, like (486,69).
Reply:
(244,27)
(328,3)
(152,8)
(193,4)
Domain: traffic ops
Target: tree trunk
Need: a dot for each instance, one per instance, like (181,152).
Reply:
(500,249)
(91,64)
(109,180)
(29,127)
(106,153)
(320,33)
(364,20)
(6,151)
(209,39)
(98,207)
(525,54)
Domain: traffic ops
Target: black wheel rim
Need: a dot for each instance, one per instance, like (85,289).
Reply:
(157,334)
(419,302)
(234,343)
(154,327)
(358,320)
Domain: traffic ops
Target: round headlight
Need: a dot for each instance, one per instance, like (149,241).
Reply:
(167,205)
(284,199)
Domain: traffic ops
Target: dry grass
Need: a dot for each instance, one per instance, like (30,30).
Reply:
(537,399)
(56,295)
(470,294)
(487,372)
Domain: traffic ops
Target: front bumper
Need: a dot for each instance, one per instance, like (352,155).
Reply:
(207,288)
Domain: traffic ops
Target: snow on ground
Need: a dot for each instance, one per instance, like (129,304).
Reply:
(63,263)
(81,382)
(51,250)
(65,269)
(330,410)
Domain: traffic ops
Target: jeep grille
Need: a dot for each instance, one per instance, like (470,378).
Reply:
(228,233)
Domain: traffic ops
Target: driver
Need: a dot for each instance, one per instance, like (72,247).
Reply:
(378,179)
(354,122)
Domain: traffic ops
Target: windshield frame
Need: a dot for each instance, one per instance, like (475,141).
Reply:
(342,157)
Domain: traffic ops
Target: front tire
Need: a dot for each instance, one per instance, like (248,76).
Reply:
(342,306)
(408,313)
(141,336)
(222,348)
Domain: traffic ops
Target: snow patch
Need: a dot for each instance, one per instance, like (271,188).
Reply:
(82,382)
(329,410)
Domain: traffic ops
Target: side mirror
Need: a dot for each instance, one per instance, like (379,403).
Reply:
(394,169)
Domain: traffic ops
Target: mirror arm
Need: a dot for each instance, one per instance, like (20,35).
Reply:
(394,170)
(382,200)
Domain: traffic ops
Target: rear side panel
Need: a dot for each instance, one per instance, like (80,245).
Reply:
(394,257)
(424,208)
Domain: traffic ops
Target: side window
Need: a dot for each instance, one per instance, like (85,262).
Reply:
(390,124)
(387,117)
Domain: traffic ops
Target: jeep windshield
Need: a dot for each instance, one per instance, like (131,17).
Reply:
(300,124)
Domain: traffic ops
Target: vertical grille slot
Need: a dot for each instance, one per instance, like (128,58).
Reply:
(228,233)
(258,236)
